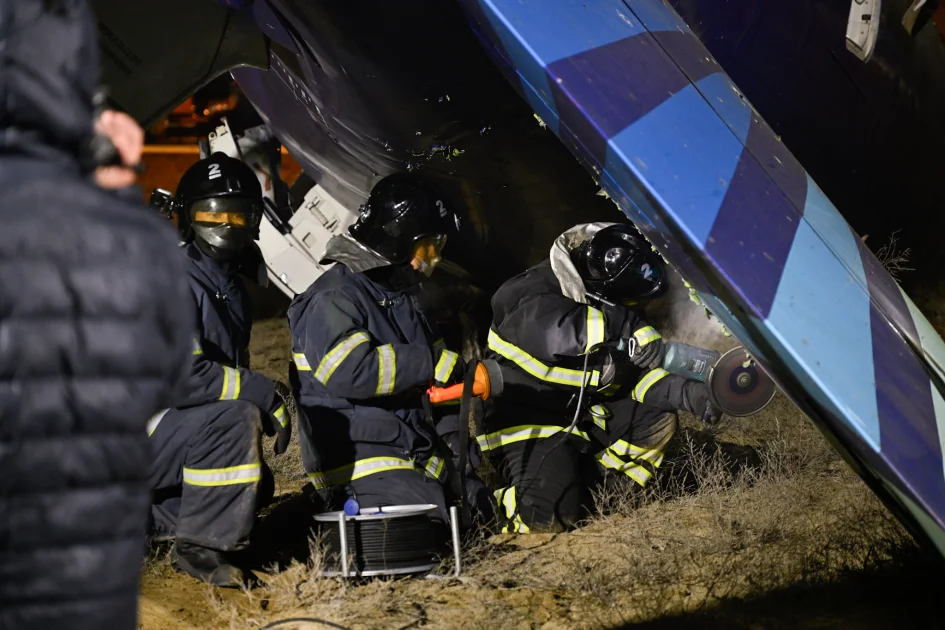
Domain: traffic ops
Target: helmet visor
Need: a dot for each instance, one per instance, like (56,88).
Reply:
(432,245)
(225,222)
(427,253)
(225,211)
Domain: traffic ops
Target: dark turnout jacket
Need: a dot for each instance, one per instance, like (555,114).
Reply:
(221,367)
(95,326)
(364,356)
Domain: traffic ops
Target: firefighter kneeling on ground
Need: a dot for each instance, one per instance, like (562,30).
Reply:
(208,475)
(364,353)
(545,321)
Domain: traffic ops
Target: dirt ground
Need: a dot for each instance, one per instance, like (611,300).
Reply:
(755,524)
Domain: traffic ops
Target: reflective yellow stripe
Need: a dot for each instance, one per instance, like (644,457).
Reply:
(609,390)
(634,471)
(595,328)
(512,435)
(434,467)
(439,345)
(386,370)
(372,466)
(444,367)
(156,420)
(301,363)
(231,384)
(622,448)
(505,498)
(247,473)
(559,376)
(279,415)
(336,355)
(600,413)
(197,349)
(649,380)
(646,335)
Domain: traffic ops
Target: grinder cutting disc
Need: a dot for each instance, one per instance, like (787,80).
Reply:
(738,385)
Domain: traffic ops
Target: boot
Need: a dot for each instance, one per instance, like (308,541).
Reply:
(206,564)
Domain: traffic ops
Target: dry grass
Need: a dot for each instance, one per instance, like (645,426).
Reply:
(754,523)
(750,508)
(893,258)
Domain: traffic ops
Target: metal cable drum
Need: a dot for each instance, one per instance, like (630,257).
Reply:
(393,540)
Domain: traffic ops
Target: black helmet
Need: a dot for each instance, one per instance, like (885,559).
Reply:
(219,203)
(619,265)
(401,210)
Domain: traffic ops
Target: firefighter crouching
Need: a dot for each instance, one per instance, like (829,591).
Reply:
(208,474)
(545,321)
(364,353)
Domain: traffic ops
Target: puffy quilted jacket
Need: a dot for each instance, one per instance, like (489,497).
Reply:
(95,327)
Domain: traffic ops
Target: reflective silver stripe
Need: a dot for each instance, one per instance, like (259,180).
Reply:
(197,349)
(231,384)
(156,420)
(595,328)
(634,471)
(279,415)
(649,380)
(600,413)
(358,470)
(444,367)
(434,467)
(646,335)
(247,473)
(386,370)
(512,435)
(337,355)
(301,363)
(559,376)
(623,448)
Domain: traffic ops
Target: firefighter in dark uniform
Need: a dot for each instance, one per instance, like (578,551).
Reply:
(561,324)
(208,475)
(364,353)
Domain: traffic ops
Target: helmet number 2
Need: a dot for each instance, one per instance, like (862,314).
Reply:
(214,171)
(647,271)
(441,208)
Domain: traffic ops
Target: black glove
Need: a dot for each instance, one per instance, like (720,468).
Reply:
(281,419)
(646,348)
(698,401)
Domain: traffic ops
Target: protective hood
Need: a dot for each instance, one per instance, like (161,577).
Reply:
(567,274)
(343,249)
(49,71)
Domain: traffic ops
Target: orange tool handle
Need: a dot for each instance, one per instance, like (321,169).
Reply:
(481,388)
(444,394)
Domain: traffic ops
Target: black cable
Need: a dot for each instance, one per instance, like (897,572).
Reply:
(276,624)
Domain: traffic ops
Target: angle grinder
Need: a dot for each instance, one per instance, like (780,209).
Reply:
(737,384)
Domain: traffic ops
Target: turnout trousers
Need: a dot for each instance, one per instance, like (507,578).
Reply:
(386,478)
(208,475)
(552,475)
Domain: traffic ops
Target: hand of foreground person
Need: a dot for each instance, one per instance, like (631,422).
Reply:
(128,138)
(283,418)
